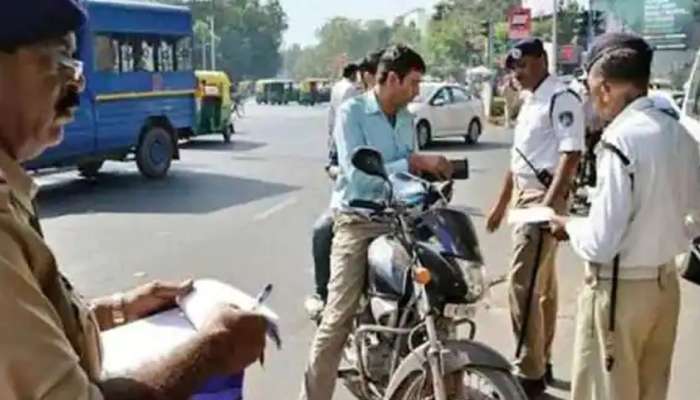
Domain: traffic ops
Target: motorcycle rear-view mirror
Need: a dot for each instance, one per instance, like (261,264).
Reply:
(369,161)
(460,168)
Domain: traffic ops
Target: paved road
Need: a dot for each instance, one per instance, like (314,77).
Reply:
(243,213)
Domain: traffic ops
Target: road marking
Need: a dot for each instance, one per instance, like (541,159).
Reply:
(275,209)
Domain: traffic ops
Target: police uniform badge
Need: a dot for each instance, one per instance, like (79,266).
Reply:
(516,53)
(566,119)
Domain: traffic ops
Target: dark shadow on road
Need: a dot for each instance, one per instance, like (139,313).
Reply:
(217,144)
(182,192)
(453,146)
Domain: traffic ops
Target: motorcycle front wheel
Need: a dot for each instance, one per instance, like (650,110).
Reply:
(472,383)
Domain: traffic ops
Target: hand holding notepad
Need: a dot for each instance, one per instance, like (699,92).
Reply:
(133,345)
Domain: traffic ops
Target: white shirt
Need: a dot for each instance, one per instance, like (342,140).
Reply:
(646,226)
(550,122)
(343,90)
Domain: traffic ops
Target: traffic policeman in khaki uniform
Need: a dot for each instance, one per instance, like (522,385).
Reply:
(648,182)
(548,140)
(49,336)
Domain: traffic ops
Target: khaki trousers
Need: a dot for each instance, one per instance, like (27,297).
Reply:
(352,237)
(645,333)
(539,332)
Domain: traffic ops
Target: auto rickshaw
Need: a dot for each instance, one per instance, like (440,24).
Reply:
(273,91)
(213,104)
(310,90)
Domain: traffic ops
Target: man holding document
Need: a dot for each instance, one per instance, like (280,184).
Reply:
(548,139)
(49,337)
(649,182)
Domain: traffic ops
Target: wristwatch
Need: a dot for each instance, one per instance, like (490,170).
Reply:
(118,305)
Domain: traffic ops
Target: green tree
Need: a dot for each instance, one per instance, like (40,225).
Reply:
(249,35)
(455,40)
(340,40)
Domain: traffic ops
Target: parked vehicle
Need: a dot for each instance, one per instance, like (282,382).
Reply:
(213,105)
(425,278)
(273,91)
(446,110)
(140,89)
(313,91)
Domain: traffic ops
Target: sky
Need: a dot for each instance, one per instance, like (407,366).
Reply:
(305,16)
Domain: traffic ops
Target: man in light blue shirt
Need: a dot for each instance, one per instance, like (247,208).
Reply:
(377,119)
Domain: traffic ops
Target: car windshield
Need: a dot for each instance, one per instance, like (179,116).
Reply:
(426,90)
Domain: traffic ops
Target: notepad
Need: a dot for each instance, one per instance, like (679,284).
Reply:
(132,345)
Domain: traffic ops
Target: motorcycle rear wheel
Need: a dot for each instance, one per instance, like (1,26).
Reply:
(476,384)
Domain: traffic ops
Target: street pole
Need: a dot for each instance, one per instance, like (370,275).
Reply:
(555,48)
(204,53)
(213,43)
(489,46)
(591,35)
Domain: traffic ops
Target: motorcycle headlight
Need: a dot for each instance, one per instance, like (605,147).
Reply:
(475,278)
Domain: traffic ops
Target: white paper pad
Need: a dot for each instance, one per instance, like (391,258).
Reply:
(129,346)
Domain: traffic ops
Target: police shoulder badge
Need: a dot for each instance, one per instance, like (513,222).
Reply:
(566,118)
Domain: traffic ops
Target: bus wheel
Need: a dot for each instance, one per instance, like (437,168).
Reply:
(90,169)
(155,153)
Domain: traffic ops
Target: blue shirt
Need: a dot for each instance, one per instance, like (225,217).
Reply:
(361,122)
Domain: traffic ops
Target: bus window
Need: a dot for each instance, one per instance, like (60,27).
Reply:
(166,56)
(106,54)
(183,49)
(126,56)
(144,56)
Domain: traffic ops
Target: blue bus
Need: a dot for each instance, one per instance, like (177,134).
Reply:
(140,89)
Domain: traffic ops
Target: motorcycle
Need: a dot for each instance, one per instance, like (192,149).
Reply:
(425,279)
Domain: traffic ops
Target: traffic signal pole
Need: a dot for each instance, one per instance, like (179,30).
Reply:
(591,35)
(555,47)
(489,46)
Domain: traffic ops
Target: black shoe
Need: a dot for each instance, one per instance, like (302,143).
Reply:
(549,375)
(533,388)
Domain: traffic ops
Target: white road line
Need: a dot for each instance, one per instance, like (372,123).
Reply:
(275,209)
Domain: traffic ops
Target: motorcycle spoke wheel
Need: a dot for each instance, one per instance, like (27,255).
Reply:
(469,384)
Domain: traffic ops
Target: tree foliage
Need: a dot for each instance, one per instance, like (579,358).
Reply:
(248,35)
(341,40)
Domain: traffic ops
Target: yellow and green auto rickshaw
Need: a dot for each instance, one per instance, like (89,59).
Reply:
(310,90)
(273,91)
(213,104)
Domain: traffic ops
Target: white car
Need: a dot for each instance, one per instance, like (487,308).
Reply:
(446,110)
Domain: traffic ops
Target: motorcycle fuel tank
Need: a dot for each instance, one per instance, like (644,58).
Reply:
(389,269)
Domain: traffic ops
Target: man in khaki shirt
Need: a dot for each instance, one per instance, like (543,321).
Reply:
(49,336)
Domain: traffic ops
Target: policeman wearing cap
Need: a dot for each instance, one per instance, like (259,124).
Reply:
(648,183)
(548,139)
(49,336)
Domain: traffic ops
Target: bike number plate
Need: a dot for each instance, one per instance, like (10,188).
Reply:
(459,311)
